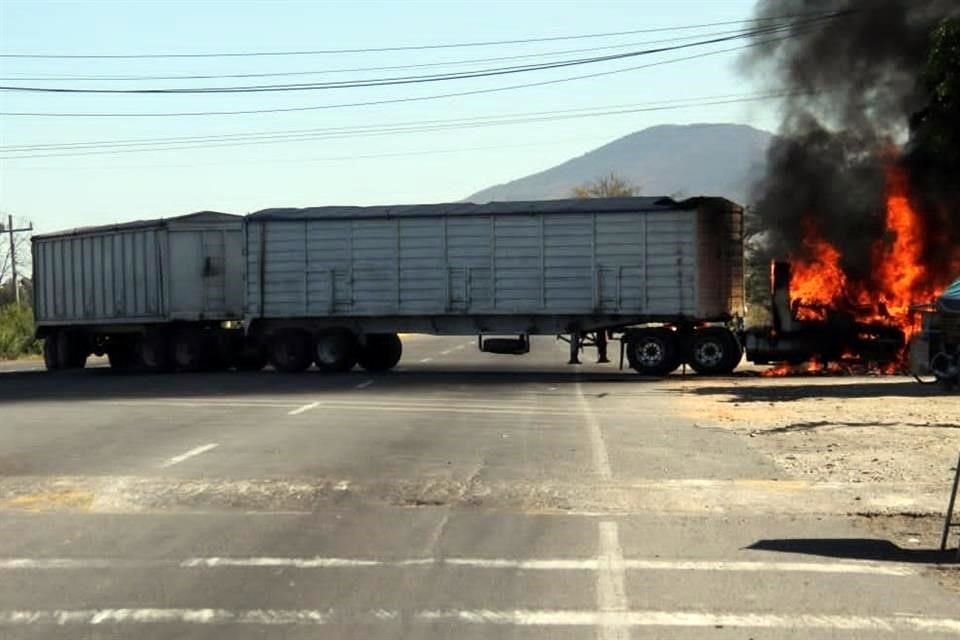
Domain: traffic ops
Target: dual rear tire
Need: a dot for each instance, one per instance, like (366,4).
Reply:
(65,350)
(334,351)
(659,351)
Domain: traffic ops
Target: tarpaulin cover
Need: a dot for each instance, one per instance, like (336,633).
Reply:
(950,300)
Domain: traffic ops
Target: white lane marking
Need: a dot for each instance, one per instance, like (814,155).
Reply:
(601,460)
(544,564)
(611,581)
(425,360)
(303,409)
(364,384)
(193,403)
(343,485)
(301,563)
(518,617)
(189,454)
(447,352)
(691,619)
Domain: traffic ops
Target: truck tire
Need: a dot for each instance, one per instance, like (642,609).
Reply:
(335,351)
(51,358)
(290,351)
(190,351)
(653,352)
(381,352)
(70,350)
(714,351)
(154,356)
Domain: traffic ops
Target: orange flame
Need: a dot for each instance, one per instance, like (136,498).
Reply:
(898,279)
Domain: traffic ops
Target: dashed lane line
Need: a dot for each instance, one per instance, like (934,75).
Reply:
(303,409)
(189,454)
(598,448)
(424,360)
(519,617)
(364,384)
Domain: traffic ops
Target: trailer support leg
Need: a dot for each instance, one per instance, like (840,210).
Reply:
(574,348)
(601,341)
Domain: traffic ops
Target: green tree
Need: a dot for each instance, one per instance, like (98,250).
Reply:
(934,149)
(608,186)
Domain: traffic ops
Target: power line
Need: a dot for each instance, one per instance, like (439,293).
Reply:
(449,63)
(320,134)
(368,127)
(456,94)
(485,43)
(398,80)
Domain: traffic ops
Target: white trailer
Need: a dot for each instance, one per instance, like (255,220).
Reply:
(151,293)
(334,285)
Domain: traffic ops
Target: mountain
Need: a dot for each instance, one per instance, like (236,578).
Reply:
(677,160)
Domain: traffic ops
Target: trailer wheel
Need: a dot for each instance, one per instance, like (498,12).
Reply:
(50,352)
(335,351)
(714,351)
(190,351)
(653,352)
(289,351)
(154,354)
(381,352)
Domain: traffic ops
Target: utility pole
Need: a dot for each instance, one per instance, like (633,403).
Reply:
(13,253)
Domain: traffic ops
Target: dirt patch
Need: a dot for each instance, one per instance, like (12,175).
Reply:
(921,533)
(860,431)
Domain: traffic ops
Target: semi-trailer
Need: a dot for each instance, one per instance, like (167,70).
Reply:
(335,286)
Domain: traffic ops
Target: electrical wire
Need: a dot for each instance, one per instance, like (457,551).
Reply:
(119,148)
(450,63)
(456,94)
(368,127)
(403,80)
(485,43)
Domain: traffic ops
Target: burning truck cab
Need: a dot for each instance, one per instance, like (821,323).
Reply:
(819,335)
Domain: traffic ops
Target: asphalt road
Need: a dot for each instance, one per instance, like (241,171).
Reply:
(463,495)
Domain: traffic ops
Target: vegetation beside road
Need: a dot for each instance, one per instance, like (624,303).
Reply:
(16,332)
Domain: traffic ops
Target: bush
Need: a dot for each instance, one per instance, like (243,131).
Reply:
(16,331)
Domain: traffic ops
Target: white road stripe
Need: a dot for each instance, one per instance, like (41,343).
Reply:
(611,581)
(304,408)
(446,352)
(425,360)
(364,384)
(519,617)
(543,564)
(601,460)
(189,454)
(194,403)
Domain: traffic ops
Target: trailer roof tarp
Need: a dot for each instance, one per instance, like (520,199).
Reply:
(588,205)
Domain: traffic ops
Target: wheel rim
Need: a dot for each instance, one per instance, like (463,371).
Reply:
(708,353)
(651,353)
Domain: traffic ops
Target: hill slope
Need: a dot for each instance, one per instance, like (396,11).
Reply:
(682,160)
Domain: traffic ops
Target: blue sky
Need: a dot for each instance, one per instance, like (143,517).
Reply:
(59,192)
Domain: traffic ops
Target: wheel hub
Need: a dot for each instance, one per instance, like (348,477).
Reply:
(651,353)
(708,353)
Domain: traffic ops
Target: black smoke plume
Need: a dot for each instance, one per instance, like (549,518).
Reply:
(854,82)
